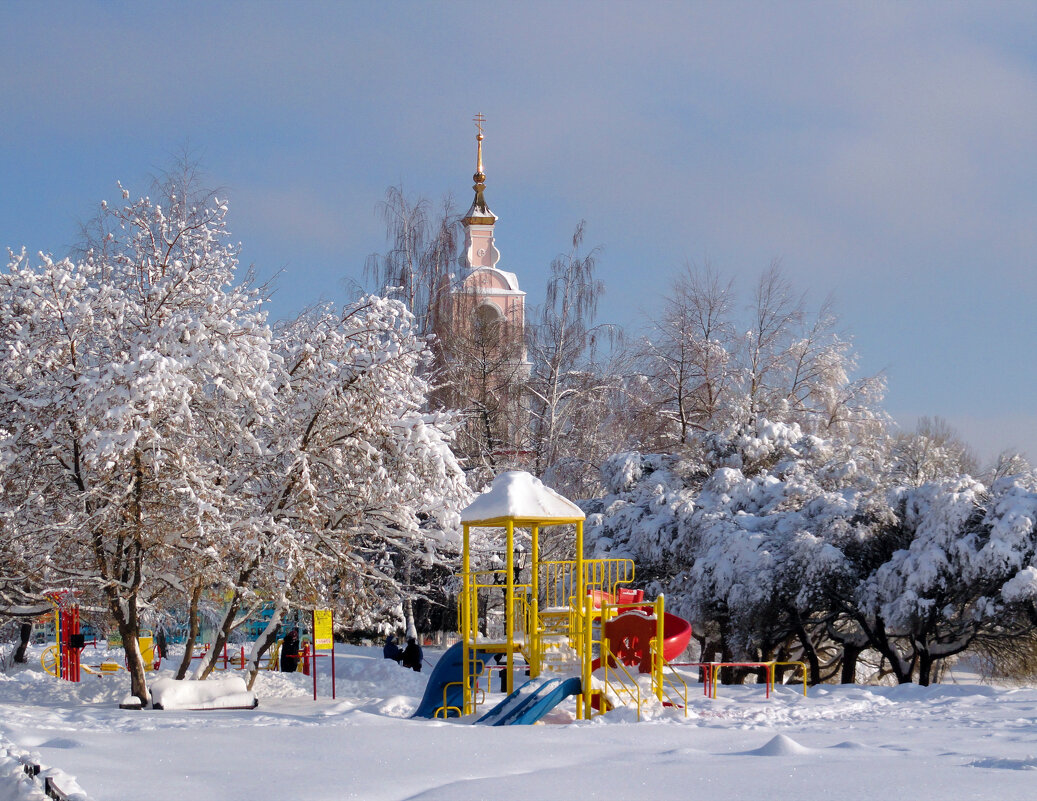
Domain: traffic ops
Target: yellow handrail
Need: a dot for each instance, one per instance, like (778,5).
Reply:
(475,699)
(680,691)
(447,707)
(608,659)
(803,670)
(714,669)
(559,583)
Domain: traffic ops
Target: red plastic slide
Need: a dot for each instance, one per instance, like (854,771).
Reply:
(631,633)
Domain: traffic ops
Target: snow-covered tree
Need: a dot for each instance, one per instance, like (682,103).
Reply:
(933,451)
(969,552)
(810,554)
(748,557)
(422,246)
(358,491)
(707,370)
(123,373)
(160,447)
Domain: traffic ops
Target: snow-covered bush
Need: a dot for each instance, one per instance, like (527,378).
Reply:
(816,554)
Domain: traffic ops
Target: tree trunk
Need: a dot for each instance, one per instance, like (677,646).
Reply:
(851,653)
(130,630)
(130,558)
(707,652)
(727,674)
(208,662)
(808,650)
(408,601)
(263,642)
(24,636)
(192,631)
(880,641)
(128,570)
(925,666)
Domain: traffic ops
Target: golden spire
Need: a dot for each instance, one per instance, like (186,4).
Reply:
(479,119)
(479,204)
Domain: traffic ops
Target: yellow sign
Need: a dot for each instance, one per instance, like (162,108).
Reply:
(323,635)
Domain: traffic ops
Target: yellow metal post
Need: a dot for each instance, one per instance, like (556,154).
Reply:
(57,635)
(580,591)
(534,581)
(509,611)
(466,620)
(587,657)
(657,663)
(581,600)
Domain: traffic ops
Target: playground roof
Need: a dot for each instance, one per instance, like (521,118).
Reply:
(521,498)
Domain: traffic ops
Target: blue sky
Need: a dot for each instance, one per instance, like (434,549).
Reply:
(884,152)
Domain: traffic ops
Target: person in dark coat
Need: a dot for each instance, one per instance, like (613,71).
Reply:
(391,649)
(501,659)
(290,652)
(24,636)
(412,655)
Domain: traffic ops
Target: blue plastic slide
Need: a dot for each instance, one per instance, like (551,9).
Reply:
(449,669)
(530,702)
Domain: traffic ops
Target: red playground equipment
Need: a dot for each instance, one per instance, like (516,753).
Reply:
(630,635)
(63,659)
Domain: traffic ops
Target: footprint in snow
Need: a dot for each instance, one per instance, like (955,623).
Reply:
(60,742)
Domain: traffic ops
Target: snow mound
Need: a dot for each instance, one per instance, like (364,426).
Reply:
(208,694)
(780,745)
(1030,763)
(851,745)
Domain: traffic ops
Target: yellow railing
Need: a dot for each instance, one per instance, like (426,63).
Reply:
(802,669)
(630,688)
(472,599)
(712,674)
(476,694)
(672,679)
(558,583)
(445,708)
(607,574)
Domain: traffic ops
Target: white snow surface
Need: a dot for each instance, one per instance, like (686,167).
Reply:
(517,493)
(955,741)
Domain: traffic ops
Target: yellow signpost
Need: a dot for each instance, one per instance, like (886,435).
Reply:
(323,636)
(323,640)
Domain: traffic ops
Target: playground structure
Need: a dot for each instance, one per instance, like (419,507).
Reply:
(64,659)
(577,625)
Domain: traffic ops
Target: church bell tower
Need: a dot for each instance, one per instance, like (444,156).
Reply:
(483,338)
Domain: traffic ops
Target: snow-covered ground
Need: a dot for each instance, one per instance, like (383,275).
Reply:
(964,741)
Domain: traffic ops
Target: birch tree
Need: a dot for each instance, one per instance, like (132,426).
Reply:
(566,383)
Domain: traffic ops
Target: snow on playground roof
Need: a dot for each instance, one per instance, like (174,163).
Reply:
(517,495)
